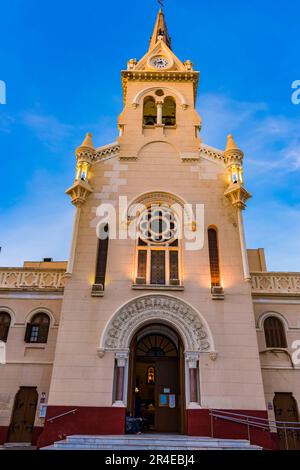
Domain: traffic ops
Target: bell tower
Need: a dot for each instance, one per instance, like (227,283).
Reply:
(159,99)
(188,289)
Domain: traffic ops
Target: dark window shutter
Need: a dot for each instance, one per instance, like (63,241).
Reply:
(158,276)
(214,257)
(27,333)
(142,264)
(102,259)
(4,325)
(174,271)
(43,333)
(274,333)
(4,333)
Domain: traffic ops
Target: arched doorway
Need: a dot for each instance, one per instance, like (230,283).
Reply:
(22,421)
(156,390)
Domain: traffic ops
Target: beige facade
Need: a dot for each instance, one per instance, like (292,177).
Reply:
(220,324)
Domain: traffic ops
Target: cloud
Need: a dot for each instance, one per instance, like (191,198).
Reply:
(48,129)
(271,143)
(40,226)
(6,122)
(269,140)
(276,227)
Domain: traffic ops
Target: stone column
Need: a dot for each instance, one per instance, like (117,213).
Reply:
(192,363)
(120,382)
(74,241)
(243,244)
(159,112)
(193,385)
(121,361)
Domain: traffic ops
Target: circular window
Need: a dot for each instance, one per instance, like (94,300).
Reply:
(159,93)
(158,225)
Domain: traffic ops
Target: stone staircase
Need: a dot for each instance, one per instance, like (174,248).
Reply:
(150,442)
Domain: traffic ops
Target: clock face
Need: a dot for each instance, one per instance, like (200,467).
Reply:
(159,62)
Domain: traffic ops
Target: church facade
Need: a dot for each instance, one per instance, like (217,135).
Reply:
(161,312)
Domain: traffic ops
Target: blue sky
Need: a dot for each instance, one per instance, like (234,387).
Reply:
(61,62)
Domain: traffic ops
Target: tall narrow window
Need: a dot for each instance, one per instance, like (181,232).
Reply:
(102,257)
(38,328)
(149,111)
(158,248)
(158,267)
(214,257)
(142,267)
(4,325)
(169,112)
(274,333)
(174,268)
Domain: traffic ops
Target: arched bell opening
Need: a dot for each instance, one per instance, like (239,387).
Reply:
(149,111)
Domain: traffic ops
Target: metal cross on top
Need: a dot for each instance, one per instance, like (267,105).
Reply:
(161,2)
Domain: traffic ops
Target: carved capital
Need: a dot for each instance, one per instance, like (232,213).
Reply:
(121,358)
(192,359)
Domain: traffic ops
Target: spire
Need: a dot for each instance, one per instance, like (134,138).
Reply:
(233,154)
(231,145)
(86,148)
(160,31)
(88,141)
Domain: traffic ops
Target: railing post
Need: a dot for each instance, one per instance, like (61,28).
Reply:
(294,436)
(211,424)
(286,438)
(248,429)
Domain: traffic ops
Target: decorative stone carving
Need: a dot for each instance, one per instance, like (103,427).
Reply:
(192,359)
(31,279)
(237,195)
(213,356)
(153,308)
(110,150)
(276,283)
(100,352)
(151,76)
(212,153)
(79,192)
(122,358)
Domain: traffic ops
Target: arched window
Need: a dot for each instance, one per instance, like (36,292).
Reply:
(101,262)
(149,111)
(38,328)
(158,248)
(274,333)
(4,325)
(214,257)
(169,112)
(156,345)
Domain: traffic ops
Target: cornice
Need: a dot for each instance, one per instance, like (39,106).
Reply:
(212,153)
(158,76)
(109,150)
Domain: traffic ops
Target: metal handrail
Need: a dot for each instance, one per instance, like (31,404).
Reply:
(255,418)
(254,424)
(62,414)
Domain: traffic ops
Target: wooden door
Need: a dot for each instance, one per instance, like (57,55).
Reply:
(22,423)
(285,407)
(167,415)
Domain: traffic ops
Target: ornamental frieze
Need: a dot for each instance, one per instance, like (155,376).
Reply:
(186,320)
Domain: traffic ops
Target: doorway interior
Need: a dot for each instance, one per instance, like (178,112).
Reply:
(156,391)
